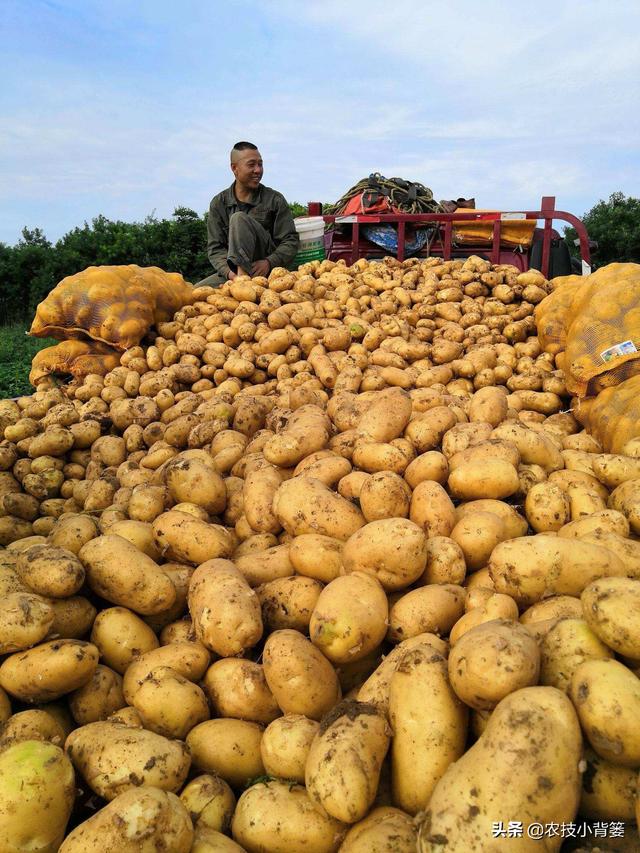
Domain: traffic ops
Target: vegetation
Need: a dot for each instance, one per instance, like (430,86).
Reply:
(33,267)
(615,226)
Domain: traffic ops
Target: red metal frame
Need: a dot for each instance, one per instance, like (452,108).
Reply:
(442,245)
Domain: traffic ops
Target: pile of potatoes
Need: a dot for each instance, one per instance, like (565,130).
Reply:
(328,565)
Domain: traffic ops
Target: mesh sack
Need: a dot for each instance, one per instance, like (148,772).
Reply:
(73,358)
(553,313)
(613,417)
(113,304)
(603,335)
(513,232)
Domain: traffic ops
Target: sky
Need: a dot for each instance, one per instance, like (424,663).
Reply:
(125,108)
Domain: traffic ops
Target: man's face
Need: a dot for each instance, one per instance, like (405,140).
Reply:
(248,168)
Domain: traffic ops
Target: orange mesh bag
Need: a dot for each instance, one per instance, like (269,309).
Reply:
(73,358)
(613,417)
(603,335)
(116,305)
(553,313)
(513,232)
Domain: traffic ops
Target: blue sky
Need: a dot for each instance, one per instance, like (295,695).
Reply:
(124,108)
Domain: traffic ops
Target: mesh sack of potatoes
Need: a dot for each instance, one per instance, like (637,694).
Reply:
(113,304)
(613,417)
(553,313)
(73,358)
(603,336)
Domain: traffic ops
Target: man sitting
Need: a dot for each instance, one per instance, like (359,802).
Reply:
(250,228)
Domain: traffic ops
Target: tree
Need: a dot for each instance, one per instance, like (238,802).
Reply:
(615,226)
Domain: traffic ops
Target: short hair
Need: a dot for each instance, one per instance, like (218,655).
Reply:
(242,146)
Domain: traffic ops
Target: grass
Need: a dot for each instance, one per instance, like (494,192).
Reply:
(16,352)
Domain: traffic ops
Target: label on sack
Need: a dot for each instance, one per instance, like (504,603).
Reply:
(624,348)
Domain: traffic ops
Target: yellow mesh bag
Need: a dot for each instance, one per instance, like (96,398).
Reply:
(603,335)
(552,315)
(113,304)
(513,232)
(73,358)
(613,417)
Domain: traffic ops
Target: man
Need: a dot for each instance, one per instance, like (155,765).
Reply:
(250,228)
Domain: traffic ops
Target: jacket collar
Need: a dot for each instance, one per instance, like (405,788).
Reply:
(230,199)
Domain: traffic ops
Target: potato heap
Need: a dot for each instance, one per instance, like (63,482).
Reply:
(324,567)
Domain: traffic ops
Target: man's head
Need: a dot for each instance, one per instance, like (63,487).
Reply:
(246,165)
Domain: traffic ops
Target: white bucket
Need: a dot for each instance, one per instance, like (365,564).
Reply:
(311,232)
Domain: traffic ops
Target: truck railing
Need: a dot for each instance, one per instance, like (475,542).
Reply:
(445,225)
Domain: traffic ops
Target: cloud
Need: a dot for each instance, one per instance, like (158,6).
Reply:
(135,109)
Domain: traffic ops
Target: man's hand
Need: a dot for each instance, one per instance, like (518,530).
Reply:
(262,268)
(231,275)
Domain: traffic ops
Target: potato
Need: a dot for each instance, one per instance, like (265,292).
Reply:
(383,829)
(190,660)
(601,521)
(120,573)
(5,706)
(98,698)
(344,762)
(49,670)
(316,556)
(564,647)
(139,533)
(72,532)
(55,441)
(612,470)
(290,659)
(307,431)
(387,417)
(627,550)
(492,660)
(264,566)
(182,537)
(199,483)
(38,792)
(259,489)
(113,758)
(534,448)
(555,607)
(608,790)
(225,610)
(432,509)
(285,746)
(486,479)
(350,618)
(431,465)
(486,451)
(547,507)
(50,571)
(533,567)
(289,602)
(237,688)
(25,619)
(489,405)
(13,529)
(611,608)
(394,550)
(495,607)
(121,636)
(281,818)
(477,534)
(384,495)
(445,562)
(533,735)
(425,431)
(428,720)
(229,748)
(306,505)
(141,820)
(32,725)
(210,802)
(626,499)
(209,841)
(606,696)
(170,704)
(375,689)
(433,609)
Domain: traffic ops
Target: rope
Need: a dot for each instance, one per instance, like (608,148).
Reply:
(403,195)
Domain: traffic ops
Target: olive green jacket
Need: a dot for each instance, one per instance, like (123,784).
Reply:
(267,207)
